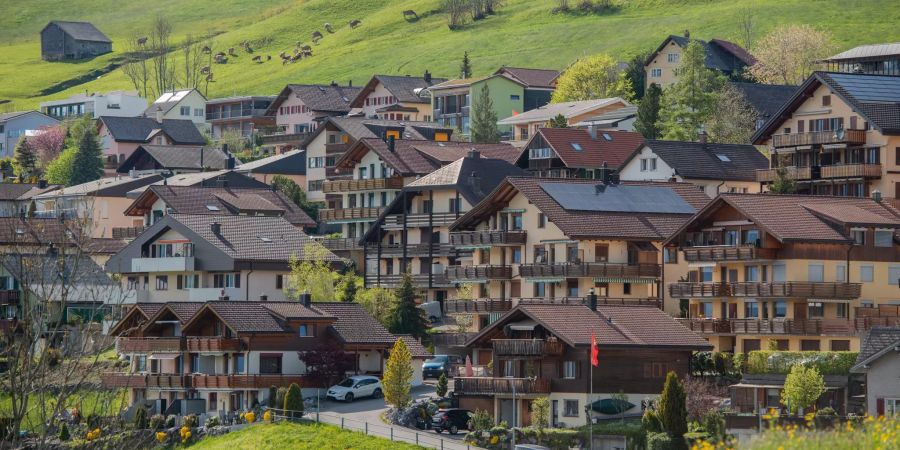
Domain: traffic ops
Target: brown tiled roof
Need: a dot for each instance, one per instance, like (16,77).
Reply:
(148,309)
(694,160)
(32,231)
(852,215)
(294,310)
(415,347)
(594,152)
(104,245)
(246,317)
(531,78)
(354,325)
(875,340)
(420,157)
(458,175)
(589,224)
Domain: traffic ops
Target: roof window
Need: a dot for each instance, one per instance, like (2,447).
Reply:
(576,146)
(607,136)
(723,158)
(212,207)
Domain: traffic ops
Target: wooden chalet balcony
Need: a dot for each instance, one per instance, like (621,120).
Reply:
(477,306)
(527,347)
(594,270)
(339,244)
(331,187)
(9,296)
(330,215)
(707,326)
(331,149)
(490,386)
(487,238)
(451,339)
(852,171)
(637,301)
(788,289)
(126,232)
(201,381)
(213,344)
(818,138)
(482,272)
(178,344)
(283,138)
(413,250)
(395,221)
(794,173)
(137,380)
(800,327)
(727,253)
(419,280)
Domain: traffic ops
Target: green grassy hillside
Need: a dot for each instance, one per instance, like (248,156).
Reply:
(524,33)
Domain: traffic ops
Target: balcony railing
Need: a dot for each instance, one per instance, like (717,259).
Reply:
(247,381)
(214,293)
(637,301)
(477,306)
(451,339)
(9,296)
(135,380)
(707,326)
(790,289)
(330,187)
(794,173)
(852,171)
(487,238)
(212,344)
(727,253)
(235,114)
(331,149)
(483,272)
(126,232)
(594,270)
(527,347)
(283,138)
(330,215)
(819,138)
(168,264)
(802,327)
(490,386)
(177,344)
(414,250)
(395,221)
(339,244)
(419,280)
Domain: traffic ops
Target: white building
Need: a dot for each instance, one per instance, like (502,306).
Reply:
(113,103)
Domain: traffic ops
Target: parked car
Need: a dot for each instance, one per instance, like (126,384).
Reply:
(434,367)
(452,420)
(354,387)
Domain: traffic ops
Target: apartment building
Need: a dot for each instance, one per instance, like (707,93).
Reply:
(545,351)
(379,168)
(396,97)
(837,135)
(797,272)
(290,164)
(244,115)
(661,67)
(202,257)
(876,59)
(578,152)
(412,233)
(222,356)
(299,109)
(526,124)
(97,104)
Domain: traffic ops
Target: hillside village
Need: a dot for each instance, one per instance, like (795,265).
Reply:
(697,246)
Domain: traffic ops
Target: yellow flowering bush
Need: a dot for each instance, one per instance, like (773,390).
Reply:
(873,433)
(161,436)
(267,416)
(250,417)
(185,434)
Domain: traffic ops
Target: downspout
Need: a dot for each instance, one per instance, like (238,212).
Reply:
(247,284)
(403,237)
(719,186)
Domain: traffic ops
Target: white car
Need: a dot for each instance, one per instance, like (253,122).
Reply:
(354,387)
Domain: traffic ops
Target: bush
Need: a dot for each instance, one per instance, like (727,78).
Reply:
(650,421)
(64,433)
(659,441)
(213,421)
(631,429)
(170,421)
(54,357)
(441,388)
(279,397)
(157,421)
(826,411)
(140,418)
(191,421)
(480,420)
(273,397)
(293,401)
(828,363)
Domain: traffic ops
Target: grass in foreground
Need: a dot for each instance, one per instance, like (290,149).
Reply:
(285,435)
(871,434)
(102,403)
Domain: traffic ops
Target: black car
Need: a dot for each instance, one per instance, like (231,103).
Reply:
(452,420)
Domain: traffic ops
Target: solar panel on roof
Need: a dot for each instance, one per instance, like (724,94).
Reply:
(869,88)
(617,198)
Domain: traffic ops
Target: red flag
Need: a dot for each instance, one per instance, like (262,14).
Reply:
(595,351)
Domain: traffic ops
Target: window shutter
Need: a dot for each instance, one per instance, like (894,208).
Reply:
(237,280)
(879,406)
(178,282)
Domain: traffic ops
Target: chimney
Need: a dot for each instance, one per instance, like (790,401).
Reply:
(391,144)
(876,195)
(42,184)
(263,297)
(222,295)
(687,34)
(203,151)
(475,182)
(306,299)
(229,163)
(592,300)
(427,76)
(592,130)
(474,153)
(132,173)
(159,114)
(702,136)
(216,228)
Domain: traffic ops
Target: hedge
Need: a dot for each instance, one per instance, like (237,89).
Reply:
(828,363)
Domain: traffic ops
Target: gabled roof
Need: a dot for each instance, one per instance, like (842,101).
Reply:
(765,99)
(613,326)
(215,178)
(530,78)
(105,187)
(610,118)
(220,201)
(318,97)
(28,231)
(578,224)
(141,312)
(404,88)
(169,100)
(419,157)
(175,158)
(577,149)
(874,97)
(877,342)
(464,82)
(415,347)
(358,127)
(802,218)
(695,160)
(295,310)
(473,176)
(292,162)
(241,317)
(23,191)
(567,109)
(141,129)
(863,52)
(81,31)
(720,54)
(354,325)
(5,117)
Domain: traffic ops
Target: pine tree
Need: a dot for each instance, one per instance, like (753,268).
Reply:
(293,401)
(407,318)
(441,388)
(465,69)
(688,104)
(88,163)
(647,121)
(673,410)
(559,122)
(398,376)
(24,161)
(484,119)
(349,286)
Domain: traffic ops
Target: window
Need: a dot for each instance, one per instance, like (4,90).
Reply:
(572,287)
(133,283)
(539,153)
(576,146)
(213,401)
(673,57)
(751,310)
(185,111)
(304,330)
(706,274)
(514,97)
(427,206)
(816,273)
(270,363)
(773,398)
(542,220)
(314,185)
(279,282)
(655,73)
(316,162)
(238,364)
(455,205)
(540,289)
(858,236)
(648,164)
(198,112)
(626,288)
(516,222)
(826,100)
(670,255)
(891,406)
(810,345)
(162,282)
(884,238)
(723,158)
(842,310)
(816,309)
(140,363)
(894,275)
(571,408)
(516,256)
(227,280)
(570,369)
(707,308)
(188,281)
(866,274)
(780,308)
(509,368)
(751,273)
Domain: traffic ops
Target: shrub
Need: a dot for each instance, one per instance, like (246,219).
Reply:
(673,411)
(659,441)
(441,388)
(170,421)
(64,433)
(191,421)
(279,397)
(650,421)
(540,413)
(273,397)
(802,388)
(480,420)
(632,429)
(293,401)
(157,421)
(213,421)
(140,418)
(826,411)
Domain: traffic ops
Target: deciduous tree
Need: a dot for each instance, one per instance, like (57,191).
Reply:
(733,120)
(540,413)
(48,143)
(790,53)
(379,302)
(484,119)
(687,104)
(312,275)
(59,171)
(802,388)
(647,121)
(398,376)
(594,77)
(348,286)
(294,192)
(327,363)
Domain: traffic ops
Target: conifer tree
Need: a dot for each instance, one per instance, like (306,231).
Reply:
(398,375)
(484,119)
(88,162)
(24,160)
(465,69)
(407,318)
(647,121)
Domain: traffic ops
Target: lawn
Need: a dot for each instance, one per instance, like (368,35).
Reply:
(291,435)
(524,33)
(103,403)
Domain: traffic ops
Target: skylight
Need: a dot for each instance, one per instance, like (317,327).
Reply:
(265,239)
(212,207)
(576,146)
(607,136)
(723,158)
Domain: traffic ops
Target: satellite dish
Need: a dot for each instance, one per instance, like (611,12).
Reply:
(839,134)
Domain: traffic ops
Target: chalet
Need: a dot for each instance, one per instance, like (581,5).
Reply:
(201,257)
(186,104)
(875,59)
(394,97)
(714,168)
(72,40)
(379,168)
(17,198)
(290,164)
(879,363)
(245,116)
(225,356)
(300,108)
(545,351)
(837,135)
(526,124)
(16,125)
(157,201)
(177,159)
(578,152)
(722,56)
(330,141)
(96,104)
(793,271)
(121,136)
(549,240)
(412,234)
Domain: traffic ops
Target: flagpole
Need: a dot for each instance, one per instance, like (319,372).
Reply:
(590,401)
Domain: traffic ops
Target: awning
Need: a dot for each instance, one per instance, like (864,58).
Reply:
(470,281)
(473,247)
(525,325)
(632,280)
(512,210)
(164,356)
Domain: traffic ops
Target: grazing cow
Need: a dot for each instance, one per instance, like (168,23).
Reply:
(329,28)
(206,49)
(316,36)
(306,48)
(299,43)
(282,55)
(307,53)
(410,14)
(296,58)
(204,70)
(209,77)
(221,59)
(257,58)
(232,52)
(355,23)
(142,40)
